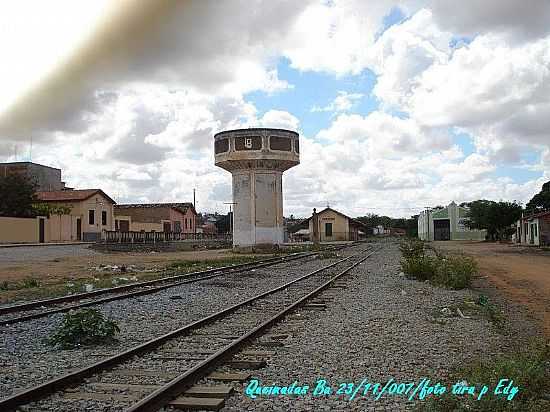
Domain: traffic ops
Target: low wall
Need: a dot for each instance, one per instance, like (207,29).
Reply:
(18,230)
(176,246)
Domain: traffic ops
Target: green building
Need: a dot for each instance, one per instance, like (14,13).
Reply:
(448,223)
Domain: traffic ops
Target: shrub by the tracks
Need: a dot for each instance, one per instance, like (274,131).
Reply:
(453,272)
(412,248)
(83,328)
(529,370)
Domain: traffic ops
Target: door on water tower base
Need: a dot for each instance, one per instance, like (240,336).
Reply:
(267,193)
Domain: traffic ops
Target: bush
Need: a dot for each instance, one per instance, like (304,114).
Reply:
(420,268)
(412,248)
(83,328)
(454,272)
(29,283)
(528,370)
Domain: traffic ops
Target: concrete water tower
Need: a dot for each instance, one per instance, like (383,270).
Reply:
(257,159)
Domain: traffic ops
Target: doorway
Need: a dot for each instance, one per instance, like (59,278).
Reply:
(78,229)
(41,231)
(442,229)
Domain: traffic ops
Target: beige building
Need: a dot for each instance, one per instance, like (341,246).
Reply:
(91,213)
(335,226)
(158,217)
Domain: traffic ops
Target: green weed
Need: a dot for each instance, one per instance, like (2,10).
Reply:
(83,328)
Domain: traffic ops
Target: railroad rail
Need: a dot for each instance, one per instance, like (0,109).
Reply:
(144,288)
(177,360)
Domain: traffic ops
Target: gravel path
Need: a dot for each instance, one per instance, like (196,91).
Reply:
(25,360)
(380,327)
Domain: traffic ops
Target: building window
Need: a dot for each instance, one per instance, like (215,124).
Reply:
(104,218)
(535,229)
(91,217)
(116,224)
(280,143)
(177,226)
(328,229)
(221,146)
(185,221)
(248,143)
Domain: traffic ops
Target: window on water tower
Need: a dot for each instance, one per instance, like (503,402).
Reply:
(328,229)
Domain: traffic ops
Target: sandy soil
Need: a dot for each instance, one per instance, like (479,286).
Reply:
(75,267)
(520,274)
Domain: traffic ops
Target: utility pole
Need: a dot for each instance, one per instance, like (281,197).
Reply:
(315,224)
(428,222)
(195,215)
(231,224)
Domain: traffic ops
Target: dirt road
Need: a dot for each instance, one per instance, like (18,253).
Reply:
(521,274)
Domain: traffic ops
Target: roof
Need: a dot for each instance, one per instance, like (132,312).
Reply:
(27,164)
(70,195)
(339,213)
(182,206)
(535,215)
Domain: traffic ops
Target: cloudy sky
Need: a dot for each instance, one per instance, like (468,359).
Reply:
(399,104)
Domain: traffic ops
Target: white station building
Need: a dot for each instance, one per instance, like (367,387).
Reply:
(257,158)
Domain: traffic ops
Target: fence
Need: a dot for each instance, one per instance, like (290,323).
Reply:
(323,237)
(112,236)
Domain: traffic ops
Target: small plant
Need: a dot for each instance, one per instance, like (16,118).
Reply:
(83,328)
(420,267)
(529,371)
(327,255)
(412,248)
(454,272)
(29,283)
(4,285)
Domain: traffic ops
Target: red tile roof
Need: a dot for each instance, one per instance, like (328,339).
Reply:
(70,195)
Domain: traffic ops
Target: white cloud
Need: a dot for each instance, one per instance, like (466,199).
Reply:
(279,119)
(343,102)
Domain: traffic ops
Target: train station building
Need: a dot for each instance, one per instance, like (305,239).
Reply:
(448,223)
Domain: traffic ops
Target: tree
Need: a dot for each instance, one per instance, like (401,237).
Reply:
(17,195)
(541,201)
(223,224)
(495,217)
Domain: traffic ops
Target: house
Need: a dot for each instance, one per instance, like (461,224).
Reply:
(91,212)
(447,223)
(334,226)
(46,178)
(534,229)
(158,217)
(380,230)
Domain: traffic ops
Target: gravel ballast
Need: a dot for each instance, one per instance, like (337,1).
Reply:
(26,360)
(381,326)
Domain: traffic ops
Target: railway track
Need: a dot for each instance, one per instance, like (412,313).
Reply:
(152,374)
(37,309)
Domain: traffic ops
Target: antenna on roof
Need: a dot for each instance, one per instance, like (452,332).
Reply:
(30,151)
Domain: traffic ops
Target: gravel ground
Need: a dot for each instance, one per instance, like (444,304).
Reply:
(381,326)
(25,360)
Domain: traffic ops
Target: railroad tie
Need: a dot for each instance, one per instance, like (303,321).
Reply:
(229,376)
(247,364)
(193,403)
(315,306)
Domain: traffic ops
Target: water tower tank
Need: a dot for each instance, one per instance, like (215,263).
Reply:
(257,158)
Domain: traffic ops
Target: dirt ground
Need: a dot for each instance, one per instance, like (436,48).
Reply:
(75,267)
(521,274)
